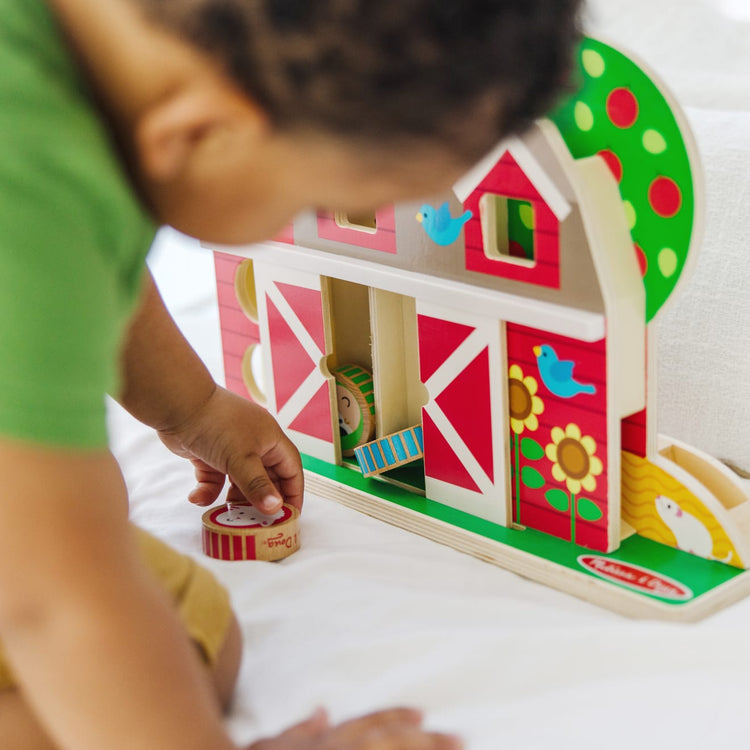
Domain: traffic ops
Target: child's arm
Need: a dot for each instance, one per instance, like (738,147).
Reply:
(98,652)
(168,387)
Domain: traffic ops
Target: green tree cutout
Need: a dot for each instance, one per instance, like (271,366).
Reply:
(618,112)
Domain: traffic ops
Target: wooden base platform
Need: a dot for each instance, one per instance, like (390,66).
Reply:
(617,581)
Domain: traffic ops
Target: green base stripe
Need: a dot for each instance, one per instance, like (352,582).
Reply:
(700,575)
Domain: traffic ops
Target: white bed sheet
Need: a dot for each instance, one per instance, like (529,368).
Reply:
(367,615)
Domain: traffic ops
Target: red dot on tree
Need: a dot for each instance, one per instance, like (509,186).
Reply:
(622,107)
(665,197)
(613,162)
(642,259)
(515,249)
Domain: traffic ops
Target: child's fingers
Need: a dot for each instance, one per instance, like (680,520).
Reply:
(288,475)
(296,736)
(406,739)
(393,729)
(389,719)
(209,484)
(235,495)
(314,725)
(250,477)
(282,465)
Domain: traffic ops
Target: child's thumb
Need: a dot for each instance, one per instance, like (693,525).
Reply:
(251,479)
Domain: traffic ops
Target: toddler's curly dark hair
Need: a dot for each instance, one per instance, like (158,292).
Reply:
(461,73)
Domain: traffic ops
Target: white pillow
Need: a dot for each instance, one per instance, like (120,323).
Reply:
(701,51)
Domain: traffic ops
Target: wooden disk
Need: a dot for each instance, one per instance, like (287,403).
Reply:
(356,404)
(241,532)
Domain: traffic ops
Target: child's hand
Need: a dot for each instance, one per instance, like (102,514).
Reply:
(395,729)
(231,436)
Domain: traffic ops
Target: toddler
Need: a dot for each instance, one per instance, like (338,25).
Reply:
(223,118)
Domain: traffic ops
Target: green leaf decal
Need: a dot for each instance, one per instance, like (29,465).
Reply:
(531,449)
(558,499)
(532,478)
(588,510)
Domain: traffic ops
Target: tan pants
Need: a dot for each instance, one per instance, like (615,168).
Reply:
(201,602)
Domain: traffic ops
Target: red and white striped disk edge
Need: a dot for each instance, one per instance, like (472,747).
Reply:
(227,537)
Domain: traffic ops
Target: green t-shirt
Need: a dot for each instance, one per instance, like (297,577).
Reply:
(73,240)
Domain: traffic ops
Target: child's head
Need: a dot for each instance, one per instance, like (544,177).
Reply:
(415,82)
(462,73)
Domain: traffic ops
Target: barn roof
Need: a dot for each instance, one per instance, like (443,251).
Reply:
(526,160)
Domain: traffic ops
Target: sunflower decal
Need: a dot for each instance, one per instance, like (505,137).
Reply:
(575,464)
(524,408)
(523,403)
(573,459)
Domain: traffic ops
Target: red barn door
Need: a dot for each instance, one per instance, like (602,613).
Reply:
(560,449)
(461,365)
(295,343)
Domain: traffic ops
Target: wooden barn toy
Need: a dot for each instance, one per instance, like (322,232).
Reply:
(480,367)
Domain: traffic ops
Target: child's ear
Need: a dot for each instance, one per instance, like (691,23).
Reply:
(174,130)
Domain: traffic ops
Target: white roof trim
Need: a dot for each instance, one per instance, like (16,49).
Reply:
(525,159)
(468,183)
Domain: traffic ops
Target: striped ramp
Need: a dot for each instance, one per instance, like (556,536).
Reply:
(390,452)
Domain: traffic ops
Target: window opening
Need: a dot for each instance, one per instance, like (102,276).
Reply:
(507,229)
(361,222)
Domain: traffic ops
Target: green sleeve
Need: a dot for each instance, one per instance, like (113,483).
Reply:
(58,329)
(73,239)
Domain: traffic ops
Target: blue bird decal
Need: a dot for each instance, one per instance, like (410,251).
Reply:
(557,374)
(440,226)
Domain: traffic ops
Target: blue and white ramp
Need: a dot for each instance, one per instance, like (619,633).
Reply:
(390,452)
